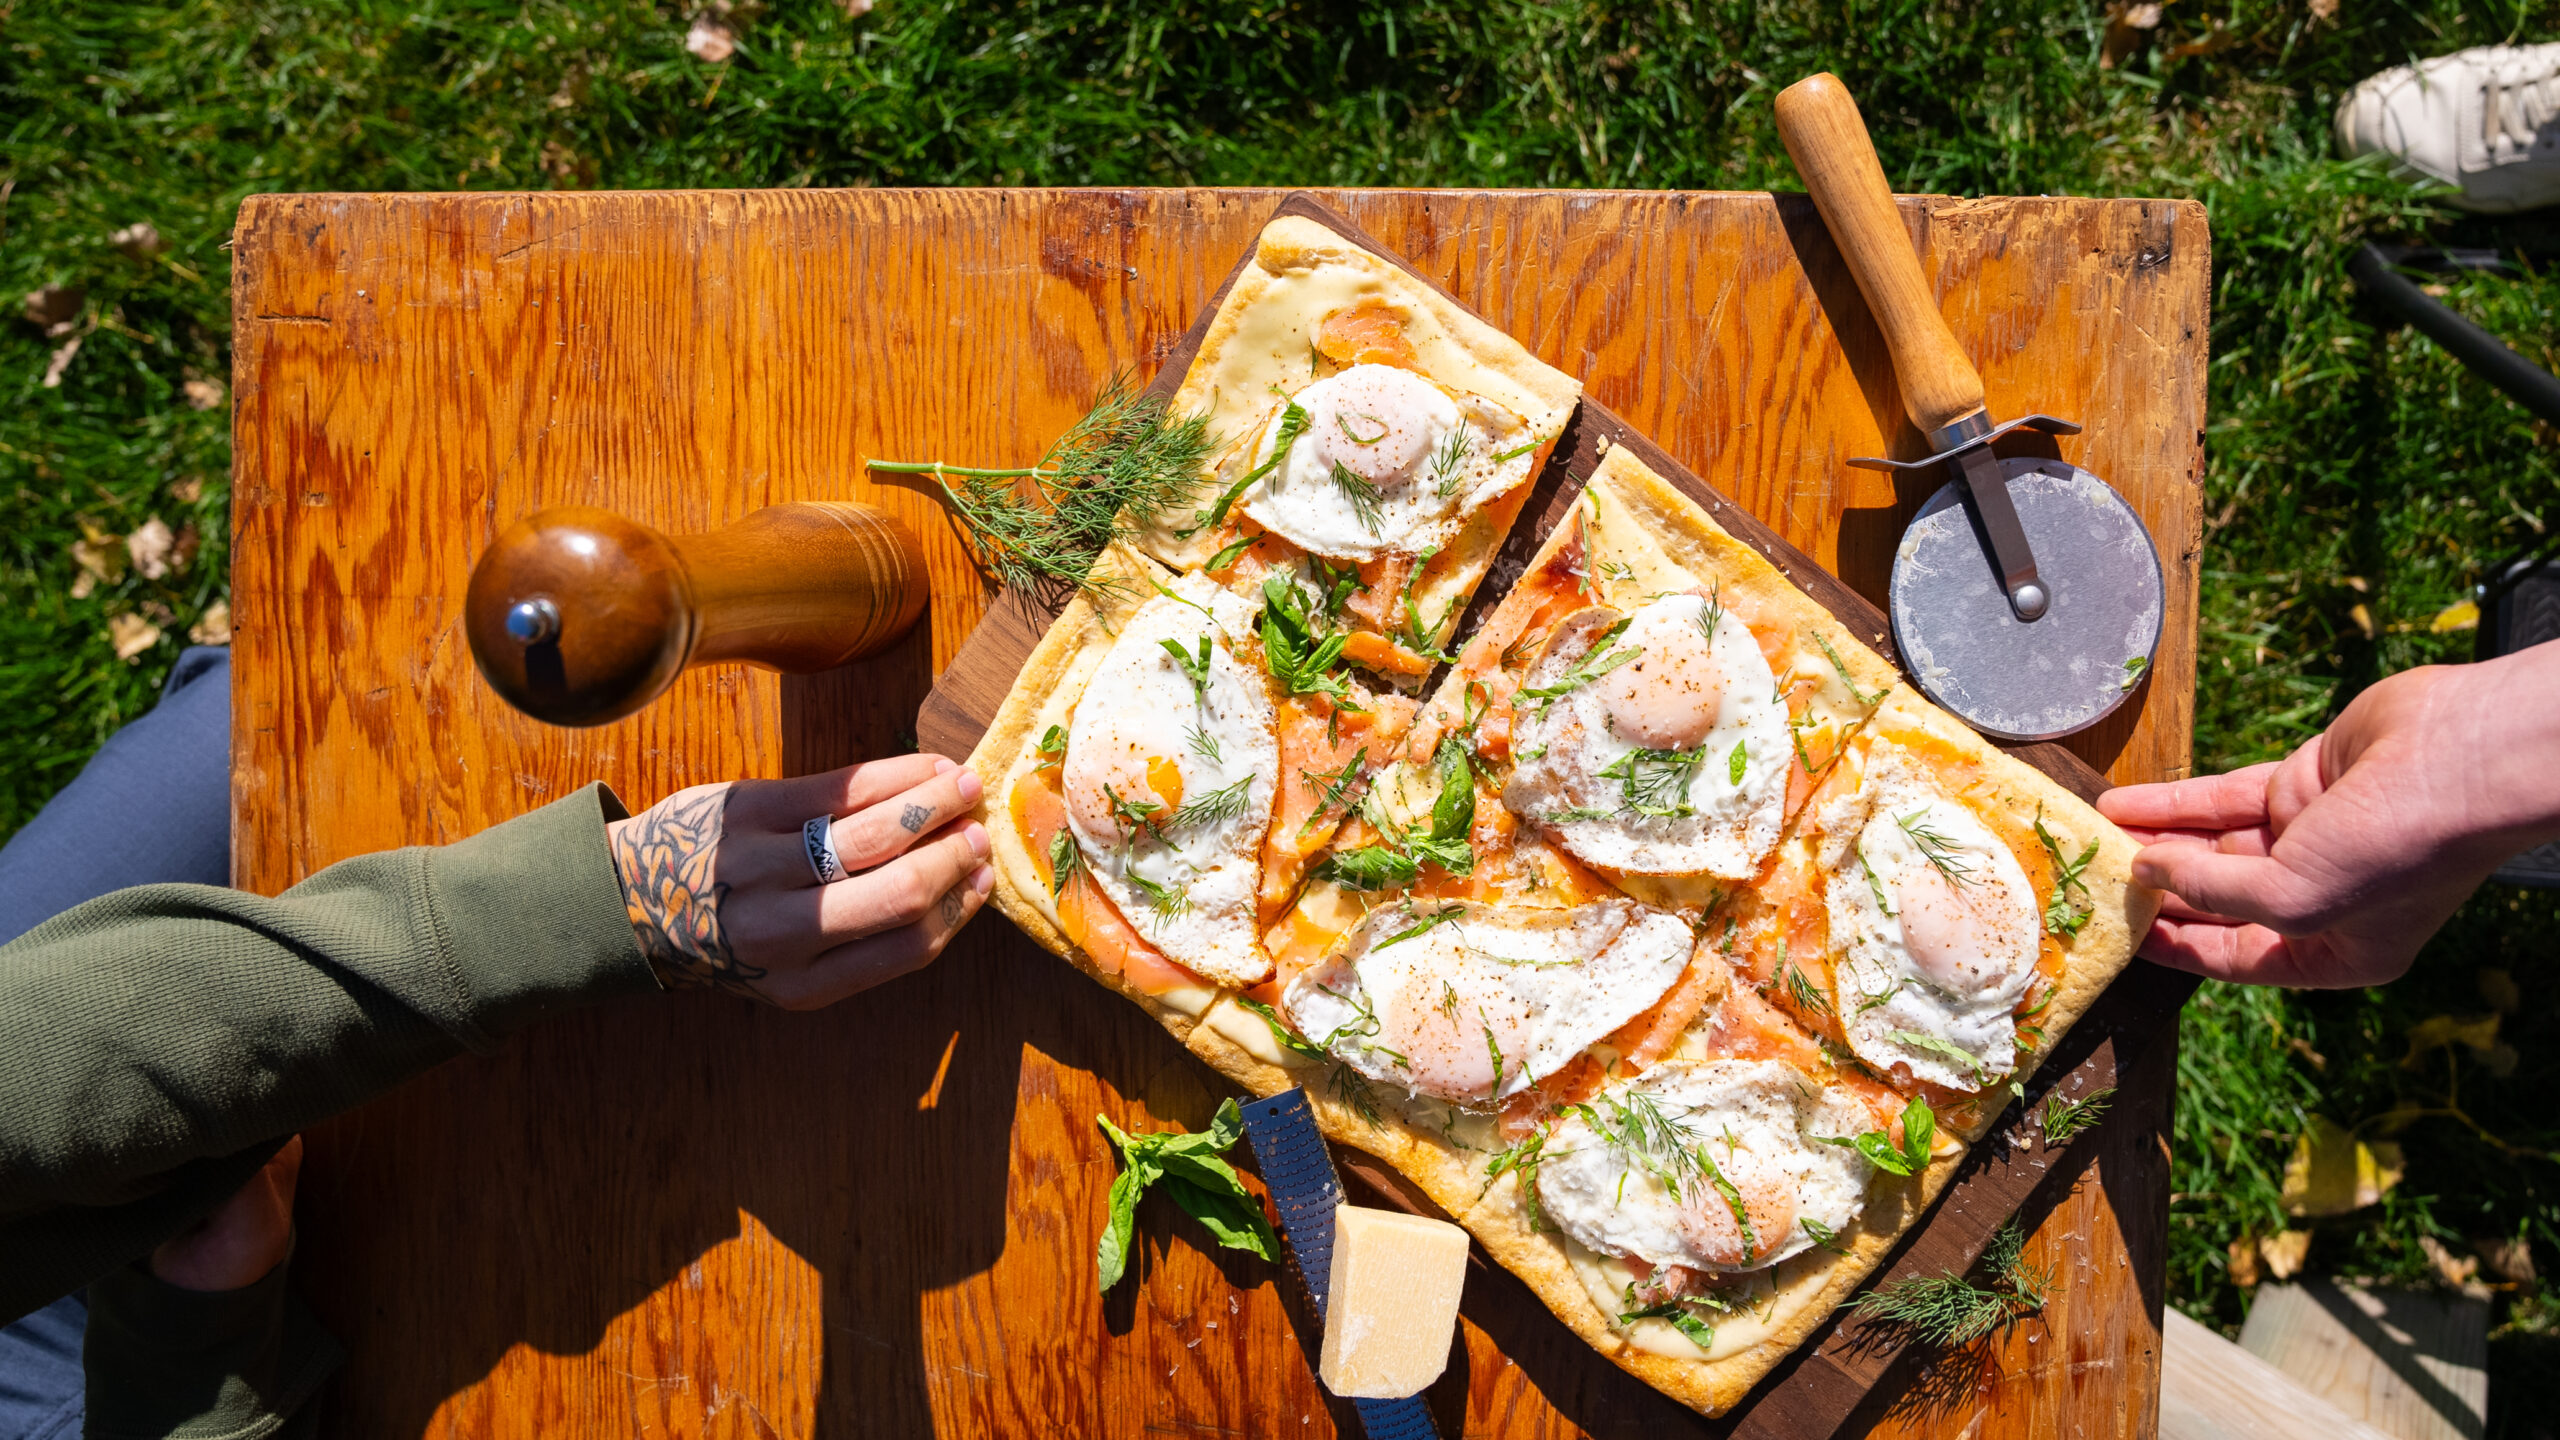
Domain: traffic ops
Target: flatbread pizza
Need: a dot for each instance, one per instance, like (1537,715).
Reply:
(1669,943)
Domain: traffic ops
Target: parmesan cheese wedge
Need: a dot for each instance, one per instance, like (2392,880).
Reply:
(1393,1303)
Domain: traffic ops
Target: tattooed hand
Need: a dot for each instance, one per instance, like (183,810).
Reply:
(720,891)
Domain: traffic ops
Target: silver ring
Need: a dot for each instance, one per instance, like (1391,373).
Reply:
(818,837)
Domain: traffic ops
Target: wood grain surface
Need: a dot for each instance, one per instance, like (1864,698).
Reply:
(691,1216)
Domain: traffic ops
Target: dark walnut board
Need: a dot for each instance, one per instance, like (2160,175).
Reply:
(688,1215)
(1818,1389)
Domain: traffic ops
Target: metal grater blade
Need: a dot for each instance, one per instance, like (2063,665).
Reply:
(1289,1151)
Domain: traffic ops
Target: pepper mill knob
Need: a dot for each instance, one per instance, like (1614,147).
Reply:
(579,616)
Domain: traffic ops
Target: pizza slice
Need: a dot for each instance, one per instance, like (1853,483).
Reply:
(1693,1104)
(1374,443)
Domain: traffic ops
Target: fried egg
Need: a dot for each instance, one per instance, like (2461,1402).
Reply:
(1938,932)
(1168,779)
(1659,748)
(1713,1165)
(1472,1003)
(1377,460)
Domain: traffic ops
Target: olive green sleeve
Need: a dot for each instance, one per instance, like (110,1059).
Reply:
(165,1039)
(169,1364)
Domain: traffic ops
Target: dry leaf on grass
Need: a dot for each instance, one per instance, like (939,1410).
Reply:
(131,635)
(54,306)
(710,39)
(2244,1262)
(215,627)
(139,240)
(2285,1253)
(2480,1032)
(202,394)
(2450,1268)
(187,490)
(60,362)
(2333,1172)
(856,9)
(101,558)
(2510,1259)
(152,548)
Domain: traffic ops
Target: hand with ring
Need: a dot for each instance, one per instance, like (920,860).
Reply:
(801,892)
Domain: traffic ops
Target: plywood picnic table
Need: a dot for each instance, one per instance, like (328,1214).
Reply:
(689,1215)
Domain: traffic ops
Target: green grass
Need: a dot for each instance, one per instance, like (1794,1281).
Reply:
(2349,463)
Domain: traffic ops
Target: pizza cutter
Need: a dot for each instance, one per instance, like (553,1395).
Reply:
(2026,595)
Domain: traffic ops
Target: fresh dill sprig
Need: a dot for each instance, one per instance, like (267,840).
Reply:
(1115,471)
(1167,901)
(1364,497)
(1204,745)
(1332,785)
(1353,1089)
(2063,915)
(1935,847)
(1446,460)
(1636,1125)
(1656,782)
(1448,999)
(1216,807)
(1949,1310)
(1799,987)
(2066,1118)
(1521,649)
(1880,997)
(1712,613)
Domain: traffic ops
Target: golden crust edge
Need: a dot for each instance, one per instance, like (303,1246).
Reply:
(1074,642)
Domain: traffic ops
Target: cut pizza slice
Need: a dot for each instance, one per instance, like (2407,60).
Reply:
(1173,756)
(1374,442)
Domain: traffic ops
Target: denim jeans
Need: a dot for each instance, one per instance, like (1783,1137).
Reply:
(153,805)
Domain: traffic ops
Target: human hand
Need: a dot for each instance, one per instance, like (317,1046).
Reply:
(2333,866)
(721,892)
(245,1237)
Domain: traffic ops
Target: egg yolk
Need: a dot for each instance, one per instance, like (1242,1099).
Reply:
(1106,757)
(1668,697)
(1441,1028)
(1708,1221)
(1377,422)
(1953,930)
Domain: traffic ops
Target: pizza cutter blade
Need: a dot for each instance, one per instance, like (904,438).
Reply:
(2026,596)
(1962,640)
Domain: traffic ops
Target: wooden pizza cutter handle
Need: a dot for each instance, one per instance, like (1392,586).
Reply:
(1824,133)
(579,616)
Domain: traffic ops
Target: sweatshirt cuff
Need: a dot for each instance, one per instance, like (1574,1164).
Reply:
(532,918)
(198,1364)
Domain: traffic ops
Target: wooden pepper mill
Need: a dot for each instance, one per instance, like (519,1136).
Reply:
(579,616)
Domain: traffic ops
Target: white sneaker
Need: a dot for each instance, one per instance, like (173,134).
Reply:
(2485,120)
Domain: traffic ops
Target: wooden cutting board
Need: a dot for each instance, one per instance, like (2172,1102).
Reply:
(2011,1165)
(688,1215)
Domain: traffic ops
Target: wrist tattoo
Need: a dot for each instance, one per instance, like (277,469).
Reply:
(666,856)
